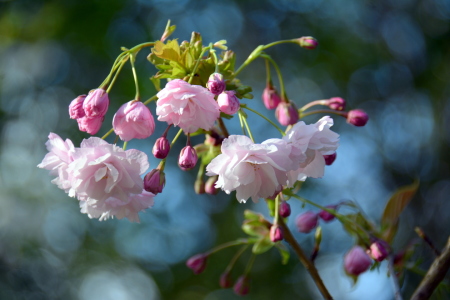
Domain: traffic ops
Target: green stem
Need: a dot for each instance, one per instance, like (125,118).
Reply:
(125,144)
(113,69)
(153,98)
(280,77)
(108,133)
(280,42)
(244,120)
(265,118)
(268,78)
(226,245)
(176,137)
(121,64)
(235,258)
(140,46)
(249,266)
(313,103)
(216,61)
(322,111)
(198,62)
(242,124)
(277,203)
(132,60)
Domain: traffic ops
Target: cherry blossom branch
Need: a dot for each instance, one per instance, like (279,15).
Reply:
(304,260)
(223,128)
(434,276)
(265,118)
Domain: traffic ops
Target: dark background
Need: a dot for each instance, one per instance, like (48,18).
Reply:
(390,58)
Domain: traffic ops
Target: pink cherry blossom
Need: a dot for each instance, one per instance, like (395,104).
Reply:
(90,125)
(133,120)
(252,170)
(96,103)
(188,106)
(76,110)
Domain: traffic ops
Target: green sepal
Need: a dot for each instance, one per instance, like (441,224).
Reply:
(263,245)
(225,116)
(284,251)
(156,82)
(271,206)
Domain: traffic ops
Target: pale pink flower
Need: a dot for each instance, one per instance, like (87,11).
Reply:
(252,170)
(228,102)
(76,110)
(188,106)
(133,120)
(90,125)
(96,103)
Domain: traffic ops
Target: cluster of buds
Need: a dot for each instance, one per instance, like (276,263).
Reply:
(227,100)
(358,260)
(309,220)
(90,110)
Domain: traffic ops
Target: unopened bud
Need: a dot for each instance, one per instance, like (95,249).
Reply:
(225,280)
(270,97)
(96,103)
(336,103)
(242,286)
(357,117)
(276,233)
(228,102)
(216,84)
(161,148)
(90,125)
(284,210)
(326,216)
(210,185)
(286,113)
(308,42)
(188,158)
(197,263)
(306,221)
(199,186)
(154,181)
(379,250)
(329,159)
(133,120)
(76,110)
(356,261)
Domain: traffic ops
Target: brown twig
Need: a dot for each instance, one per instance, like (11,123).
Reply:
(434,276)
(304,260)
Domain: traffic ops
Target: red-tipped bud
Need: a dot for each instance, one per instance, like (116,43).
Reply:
(96,103)
(307,221)
(336,103)
(357,117)
(228,102)
(76,110)
(356,261)
(154,181)
(284,209)
(199,186)
(326,216)
(329,159)
(242,286)
(188,158)
(90,125)
(308,42)
(161,148)
(225,280)
(379,250)
(286,113)
(276,233)
(216,84)
(270,97)
(197,263)
(210,185)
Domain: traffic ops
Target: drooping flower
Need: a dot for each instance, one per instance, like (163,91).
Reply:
(188,158)
(188,106)
(286,113)
(228,102)
(252,170)
(161,148)
(76,110)
(356,261)
(270,97)
(90,125)
(133,120)
(154,181)
(96,103)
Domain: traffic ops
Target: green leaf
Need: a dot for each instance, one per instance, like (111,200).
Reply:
(284,251)
(394,207)
(251,215)
(255,228)
(170,50)
(156,82)
(263,245)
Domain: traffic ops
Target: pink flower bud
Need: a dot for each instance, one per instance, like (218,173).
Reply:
(228,102)
(286,113)
(242,286)
(76,110)
(329,159)
(188,158)
(270,97)
(306,221)
(356,261)
(96,103)
(154,181)
(216,84)
(379,250)
(284,209)
(225,280)
(90,125)
(336,103)
(133,120)
(161,148)
(357,117)
(276,233)
(197,263)
(210,187)
(326,216)
(308,42)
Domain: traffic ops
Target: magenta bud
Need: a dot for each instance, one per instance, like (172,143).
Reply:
(96,103)
(270,97)
(154,181)
(188,158)
(228,102)
(308,42)
(329,159)
(356,261)
(90,125)
(307,221)
(379,250)
(284,210)
(210,185)
(336,103)
(326,216)
(357,117)
(161,148)
(197,263)
(225,280)
(276,233)
(216,84)
(76,110)
(242,286)
(286,113)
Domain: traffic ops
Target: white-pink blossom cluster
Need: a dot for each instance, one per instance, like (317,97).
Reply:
(105,178)
(262,170)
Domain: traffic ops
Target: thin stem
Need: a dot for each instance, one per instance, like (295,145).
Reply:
(244,120)
(125,144)
(280,77)
(313,103)
(108,133)
(322,111)
(153,98)
(235,258)
(265,118)
(268,78)
(140,46)
(136,83)
(226,245)
(176,137)
(394,279)
(216,62)
(242,124)
(191,76)
(121,64)
(280,42)
(427,240)
(223,128)
(249,266)
(113,68)
(277,204)
(304,260)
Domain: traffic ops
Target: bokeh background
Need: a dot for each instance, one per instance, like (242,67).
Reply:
(391,58)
